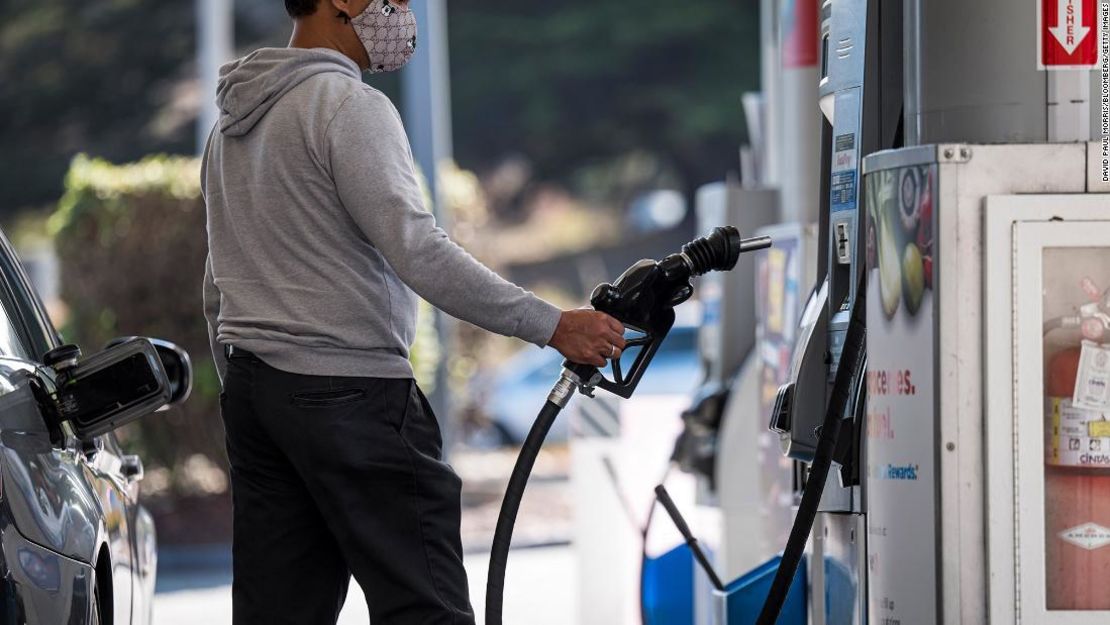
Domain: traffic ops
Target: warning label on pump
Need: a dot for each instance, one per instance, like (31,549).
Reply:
(843,184)
(1075,437)
(1067,34)
(1092,383)
(1089,536)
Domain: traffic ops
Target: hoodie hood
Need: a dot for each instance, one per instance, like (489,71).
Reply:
(250,86)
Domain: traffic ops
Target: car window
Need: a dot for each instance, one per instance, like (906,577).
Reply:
(25,313)
(10,342)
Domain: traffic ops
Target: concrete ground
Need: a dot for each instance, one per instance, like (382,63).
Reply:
(194,581)
(539,589)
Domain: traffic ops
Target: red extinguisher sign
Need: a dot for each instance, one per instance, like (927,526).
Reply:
(1068,33)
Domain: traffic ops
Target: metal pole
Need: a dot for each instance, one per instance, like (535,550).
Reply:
(771,80)
(799,167)
(215,42)
(1069,106)
(426,92)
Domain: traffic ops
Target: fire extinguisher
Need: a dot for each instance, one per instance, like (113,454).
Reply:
(1077,466)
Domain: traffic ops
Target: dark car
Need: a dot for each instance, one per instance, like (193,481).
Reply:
(75,545)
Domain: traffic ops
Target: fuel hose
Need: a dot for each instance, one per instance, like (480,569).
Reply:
(510,506)
(643,297)
(847,375)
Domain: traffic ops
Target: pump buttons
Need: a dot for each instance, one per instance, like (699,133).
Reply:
(843,243)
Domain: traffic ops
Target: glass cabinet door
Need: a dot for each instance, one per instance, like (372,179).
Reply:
(1062,403)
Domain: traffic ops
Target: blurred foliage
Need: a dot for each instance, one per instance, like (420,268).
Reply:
(131,244)
(84,76)
(109,77)
(569,85)
(424,354)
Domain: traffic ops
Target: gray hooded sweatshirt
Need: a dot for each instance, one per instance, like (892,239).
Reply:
(317,231)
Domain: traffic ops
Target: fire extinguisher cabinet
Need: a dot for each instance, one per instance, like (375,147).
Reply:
(1059,356)
(986,449)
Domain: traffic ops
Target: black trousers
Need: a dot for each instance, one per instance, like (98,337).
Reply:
(334,476)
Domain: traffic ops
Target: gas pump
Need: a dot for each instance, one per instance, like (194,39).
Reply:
(742,512)
(726,335)
(949,392)
(977,432)
(726,343)
(948,399)
(818,415)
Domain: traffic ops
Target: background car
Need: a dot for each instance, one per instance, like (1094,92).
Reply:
(516,391)
(75,545)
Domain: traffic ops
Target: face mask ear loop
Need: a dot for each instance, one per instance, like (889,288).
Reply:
(346,18)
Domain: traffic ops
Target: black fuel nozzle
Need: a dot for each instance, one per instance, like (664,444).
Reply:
(720,250)
(644,296)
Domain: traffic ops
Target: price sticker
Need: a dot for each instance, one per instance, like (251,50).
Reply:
(1092,383)
(1098,429)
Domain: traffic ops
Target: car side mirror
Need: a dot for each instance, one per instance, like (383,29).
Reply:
(176,362)
(109,389)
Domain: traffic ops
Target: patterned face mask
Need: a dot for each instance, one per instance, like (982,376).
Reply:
(388,33)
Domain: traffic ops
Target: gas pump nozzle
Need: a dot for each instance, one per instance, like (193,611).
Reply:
(643,298)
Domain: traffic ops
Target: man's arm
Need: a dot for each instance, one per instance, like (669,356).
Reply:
(371,163)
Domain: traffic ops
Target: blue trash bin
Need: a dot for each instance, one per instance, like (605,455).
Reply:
(741,601)
(668,588)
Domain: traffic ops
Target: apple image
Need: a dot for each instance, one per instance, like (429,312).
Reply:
(913,278)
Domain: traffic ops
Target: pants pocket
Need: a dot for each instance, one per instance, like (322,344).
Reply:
(419,427)
(328,399)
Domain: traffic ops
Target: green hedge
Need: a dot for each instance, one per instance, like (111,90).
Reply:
(131,245)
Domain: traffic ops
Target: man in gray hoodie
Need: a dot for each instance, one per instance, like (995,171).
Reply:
(319,245)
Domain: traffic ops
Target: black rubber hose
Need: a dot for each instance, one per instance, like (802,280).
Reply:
(683,528)
(503,535)
(847,372)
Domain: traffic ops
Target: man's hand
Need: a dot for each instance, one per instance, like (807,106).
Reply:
(588,337)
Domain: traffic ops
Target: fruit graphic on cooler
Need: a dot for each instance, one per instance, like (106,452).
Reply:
(899,237)
(925,216)
(913,278)
(890,268)
(910,208)
(925,228)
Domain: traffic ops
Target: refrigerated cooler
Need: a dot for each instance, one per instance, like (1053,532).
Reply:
(987,440)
